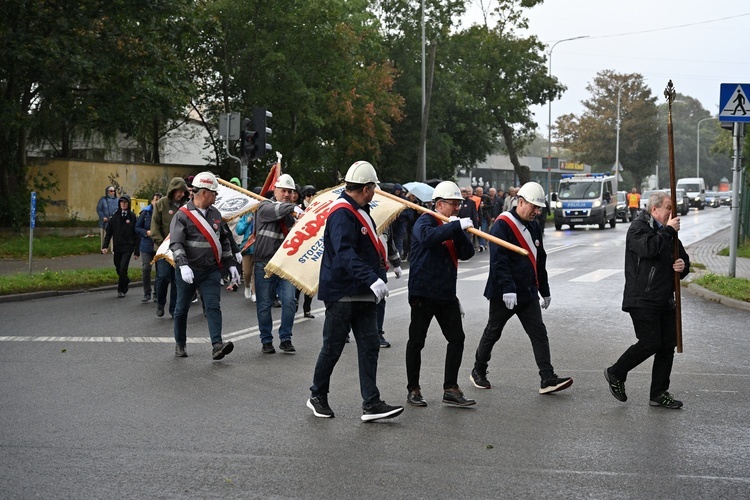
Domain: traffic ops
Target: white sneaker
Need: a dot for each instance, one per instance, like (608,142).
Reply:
(248,292)
(253,298)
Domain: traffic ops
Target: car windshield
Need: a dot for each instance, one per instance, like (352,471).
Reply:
(690,187)
(621,197)
(579,190)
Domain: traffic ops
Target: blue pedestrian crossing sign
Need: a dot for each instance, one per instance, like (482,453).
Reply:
(734,105)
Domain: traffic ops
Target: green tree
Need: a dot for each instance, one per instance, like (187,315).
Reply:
(592,136)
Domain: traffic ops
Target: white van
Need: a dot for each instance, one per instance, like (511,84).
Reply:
(695,188)
(585,199)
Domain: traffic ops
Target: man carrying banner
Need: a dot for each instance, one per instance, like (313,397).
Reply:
(513,287)
(273,220)
(436,247)
(200,245)
(350,287)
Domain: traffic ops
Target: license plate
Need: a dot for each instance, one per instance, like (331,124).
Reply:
(576,220)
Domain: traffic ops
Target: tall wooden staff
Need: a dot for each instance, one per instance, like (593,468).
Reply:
(669,93)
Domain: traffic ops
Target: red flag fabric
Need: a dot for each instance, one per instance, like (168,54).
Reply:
(271,179)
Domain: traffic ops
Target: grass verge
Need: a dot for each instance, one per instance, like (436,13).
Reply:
(17,246)
(82,279)
(734,288)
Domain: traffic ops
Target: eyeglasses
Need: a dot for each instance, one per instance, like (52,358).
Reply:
(452,203)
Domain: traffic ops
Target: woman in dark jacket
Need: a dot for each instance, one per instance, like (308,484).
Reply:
(143,228)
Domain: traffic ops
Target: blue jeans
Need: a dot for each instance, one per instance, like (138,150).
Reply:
(361,318)
(485,228)
(209,283)
(165,276)
(266,290)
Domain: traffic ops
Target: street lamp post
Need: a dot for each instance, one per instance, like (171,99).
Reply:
(698,146)
(549,118)
(617,143)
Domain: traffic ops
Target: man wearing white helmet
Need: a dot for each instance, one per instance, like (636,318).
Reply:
(436,248)
(513,287)
(202,252)
(273,220)
(351,288)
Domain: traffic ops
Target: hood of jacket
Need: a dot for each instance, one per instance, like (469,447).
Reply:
(177,183)
(125,198)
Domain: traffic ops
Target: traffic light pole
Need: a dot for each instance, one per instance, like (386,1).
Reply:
(243,164)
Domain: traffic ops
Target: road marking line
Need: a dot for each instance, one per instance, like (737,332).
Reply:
(595,276)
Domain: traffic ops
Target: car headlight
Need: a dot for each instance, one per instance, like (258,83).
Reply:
(596,204)
(558,204)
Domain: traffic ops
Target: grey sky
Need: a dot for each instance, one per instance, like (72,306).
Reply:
(698,58)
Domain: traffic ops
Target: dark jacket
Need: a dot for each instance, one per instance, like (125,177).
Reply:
(188,244)
(511,272)
(143,225)
(649,277)
(106,207)
(350,262)
(273,220)
(121,230)
(432,272)
(468,209)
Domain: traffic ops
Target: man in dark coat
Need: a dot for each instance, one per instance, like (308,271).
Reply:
(121,231)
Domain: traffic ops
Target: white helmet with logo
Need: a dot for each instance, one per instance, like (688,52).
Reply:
(285,181)
(533,192)
(447,190)
(206,180)
(361,172)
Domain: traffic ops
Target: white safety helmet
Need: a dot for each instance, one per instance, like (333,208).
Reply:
(361,172)
(533,192)
(205,180)
(447,190)
(285,181)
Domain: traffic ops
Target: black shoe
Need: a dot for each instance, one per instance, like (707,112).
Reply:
(309,315)
(120,295)
(481,248)
(479,380)
(194,299)
(179,351)
(455,397)
(384,343)
(221,349)
(146,298)
(554,384)
(415,398)
(665,400)
(380,410)
(276,303)
(319,407)
(268,348)
(347,339)
(287,346)
(159,310)
(616,387)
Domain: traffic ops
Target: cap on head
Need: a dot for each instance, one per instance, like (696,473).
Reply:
(447,190)
(206,180)
(285,181)
(532,192)
(361,172)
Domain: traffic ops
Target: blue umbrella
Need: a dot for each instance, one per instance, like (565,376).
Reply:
(423,192)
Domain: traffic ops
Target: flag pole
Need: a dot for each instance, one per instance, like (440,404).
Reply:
(669,93)
(481,234)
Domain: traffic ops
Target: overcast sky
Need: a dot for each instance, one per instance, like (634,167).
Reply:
(698,58)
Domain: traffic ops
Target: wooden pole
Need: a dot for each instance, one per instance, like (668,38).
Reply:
(241,190)
(481,234)
(669,93)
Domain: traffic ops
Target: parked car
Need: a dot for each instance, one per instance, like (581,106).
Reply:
(622,206)
(683,202)
(725,198)
(712,199)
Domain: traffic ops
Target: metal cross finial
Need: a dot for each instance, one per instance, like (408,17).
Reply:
(669,92)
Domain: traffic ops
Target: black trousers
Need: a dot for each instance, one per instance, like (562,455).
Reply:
(656,331)
(122,262)
(448,315)
(530,315)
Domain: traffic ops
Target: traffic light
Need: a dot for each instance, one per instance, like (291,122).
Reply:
(260,114)
(247,140)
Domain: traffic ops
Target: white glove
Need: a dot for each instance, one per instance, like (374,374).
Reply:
(238,257)
(545,302)
(452,218)
(461,309)
(398,272)
(466,223)
(298,210)
(235,275)
(187,274)
(380,289)
(510,300)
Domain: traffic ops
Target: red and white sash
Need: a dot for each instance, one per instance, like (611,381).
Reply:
(448,244)
(207,231)
(366,221)
(524,238)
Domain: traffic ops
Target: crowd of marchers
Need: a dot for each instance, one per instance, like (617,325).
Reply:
(451,227)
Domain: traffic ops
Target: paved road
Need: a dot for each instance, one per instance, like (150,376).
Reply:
(95,405)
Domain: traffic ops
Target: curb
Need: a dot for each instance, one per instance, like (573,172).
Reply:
(21,297)
(715,297)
